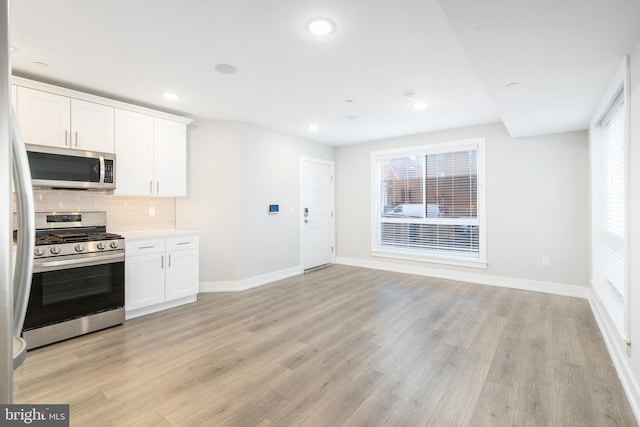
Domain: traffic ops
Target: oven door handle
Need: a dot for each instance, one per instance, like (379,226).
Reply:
(44,266)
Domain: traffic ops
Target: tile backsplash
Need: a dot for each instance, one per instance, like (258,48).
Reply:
(123,213)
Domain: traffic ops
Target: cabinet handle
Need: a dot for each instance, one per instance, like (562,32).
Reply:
(157,187)
(151,186)
(169,260)
(183,243)
(76,138)
(146,247)
(66,137)
(161,261)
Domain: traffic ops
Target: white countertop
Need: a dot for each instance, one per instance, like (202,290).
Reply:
(148,234)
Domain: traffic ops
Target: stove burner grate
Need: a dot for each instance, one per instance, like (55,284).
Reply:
(73,237)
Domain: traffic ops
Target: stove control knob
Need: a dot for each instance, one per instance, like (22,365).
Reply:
(79,247)
(55,250)
(101,245)
(38,251)
(114,244)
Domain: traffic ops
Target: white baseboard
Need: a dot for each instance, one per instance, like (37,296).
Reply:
(159,307)
(253,282)
(617,350)
(483,279)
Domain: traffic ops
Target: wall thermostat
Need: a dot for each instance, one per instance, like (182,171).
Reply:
(274,209)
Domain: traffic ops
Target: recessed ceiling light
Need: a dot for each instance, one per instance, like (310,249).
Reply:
(420,105)
(171,96)
(320,26)
(312,127)
(225,68)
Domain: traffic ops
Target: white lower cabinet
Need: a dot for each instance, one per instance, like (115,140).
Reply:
(159,271)
(181,274)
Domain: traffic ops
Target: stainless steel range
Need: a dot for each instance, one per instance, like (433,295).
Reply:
(78,277)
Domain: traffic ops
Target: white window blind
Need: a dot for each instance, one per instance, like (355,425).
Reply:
(427,202)
(613,125)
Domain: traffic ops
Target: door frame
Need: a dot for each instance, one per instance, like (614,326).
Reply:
(332,165)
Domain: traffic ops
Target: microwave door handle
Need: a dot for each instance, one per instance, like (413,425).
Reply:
(25,226)
(101,170)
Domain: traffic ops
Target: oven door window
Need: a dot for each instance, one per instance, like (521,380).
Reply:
(66,294)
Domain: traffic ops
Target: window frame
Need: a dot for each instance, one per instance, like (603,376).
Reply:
(478,144)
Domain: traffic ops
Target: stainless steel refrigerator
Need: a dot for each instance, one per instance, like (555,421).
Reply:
(15,270)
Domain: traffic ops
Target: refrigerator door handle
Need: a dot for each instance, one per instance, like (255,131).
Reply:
(25,226)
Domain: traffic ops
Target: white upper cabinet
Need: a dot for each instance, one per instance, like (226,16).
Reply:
(170,158)
(59,121)
(134,148)
(92,126)
(150,145)
(45,118)
(151,155)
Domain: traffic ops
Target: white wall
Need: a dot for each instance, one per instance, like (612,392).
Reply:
(537,204)
(213,203)
(236,170)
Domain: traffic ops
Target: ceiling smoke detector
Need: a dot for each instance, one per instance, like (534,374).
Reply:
(225,68)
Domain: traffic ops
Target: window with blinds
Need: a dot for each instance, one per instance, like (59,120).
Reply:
(613,126)
(428,199)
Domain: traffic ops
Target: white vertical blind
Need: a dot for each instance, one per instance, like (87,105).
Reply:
(613,126)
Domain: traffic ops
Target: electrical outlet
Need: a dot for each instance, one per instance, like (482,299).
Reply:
(152,211)
(545,260)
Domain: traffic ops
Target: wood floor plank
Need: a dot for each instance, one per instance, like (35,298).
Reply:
(496,406)
(374,411)
(429,388)
(341,346)
(569,392)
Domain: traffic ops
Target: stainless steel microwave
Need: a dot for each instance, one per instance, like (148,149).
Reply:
(54,167)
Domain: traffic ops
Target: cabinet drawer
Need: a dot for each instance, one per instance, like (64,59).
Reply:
(182,243)
(141,247)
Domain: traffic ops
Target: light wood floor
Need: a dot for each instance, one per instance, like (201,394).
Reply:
(341,346)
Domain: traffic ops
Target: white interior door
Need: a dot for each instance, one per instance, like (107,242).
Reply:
(316,212)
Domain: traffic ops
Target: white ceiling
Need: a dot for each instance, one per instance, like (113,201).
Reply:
(458,55)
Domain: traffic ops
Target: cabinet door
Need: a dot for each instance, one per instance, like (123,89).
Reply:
(44,117)
(144,280)
(91,126)
(170,158)
(134,153)
(182,274)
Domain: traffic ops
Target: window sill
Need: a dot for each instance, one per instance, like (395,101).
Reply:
(433,259)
